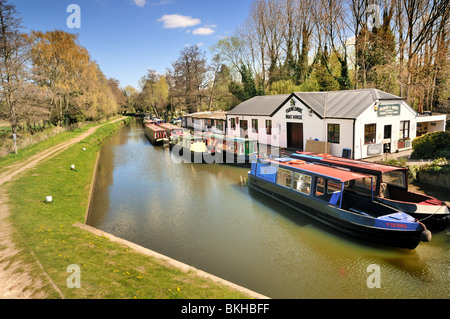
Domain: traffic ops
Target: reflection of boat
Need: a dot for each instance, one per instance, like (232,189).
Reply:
(338,198)
(232,149)
(391,188)
(156,135)
(191,149)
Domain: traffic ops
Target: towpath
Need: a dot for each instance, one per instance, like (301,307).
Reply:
(15,281)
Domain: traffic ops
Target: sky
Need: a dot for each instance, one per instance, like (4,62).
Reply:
(128,37)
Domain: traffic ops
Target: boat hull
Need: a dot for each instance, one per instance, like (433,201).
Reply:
(355,225)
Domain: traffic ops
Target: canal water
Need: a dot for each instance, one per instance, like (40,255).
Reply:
(202,215)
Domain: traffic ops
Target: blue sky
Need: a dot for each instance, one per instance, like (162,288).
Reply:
(127,37)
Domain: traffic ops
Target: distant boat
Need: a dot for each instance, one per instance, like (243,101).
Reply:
(338,198)
(391,188)
(156,135)
(191,148)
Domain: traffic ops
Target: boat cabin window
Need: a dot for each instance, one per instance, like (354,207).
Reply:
(362,185)
(396,178)
(326,188)
(284,178)
(302,183)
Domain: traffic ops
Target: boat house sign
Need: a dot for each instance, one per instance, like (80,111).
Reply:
(389,110)
(294,109)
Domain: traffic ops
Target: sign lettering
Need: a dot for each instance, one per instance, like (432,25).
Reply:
(294,109)
(389,110)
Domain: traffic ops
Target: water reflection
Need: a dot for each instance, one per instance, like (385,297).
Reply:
(202,215)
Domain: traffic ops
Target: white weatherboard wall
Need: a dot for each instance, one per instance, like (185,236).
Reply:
(296,112)
(371,116)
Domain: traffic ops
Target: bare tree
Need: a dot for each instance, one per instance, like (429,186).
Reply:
(188,78)
(13,57)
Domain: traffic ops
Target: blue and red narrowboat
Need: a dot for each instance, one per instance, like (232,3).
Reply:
(337,198)
(391,188)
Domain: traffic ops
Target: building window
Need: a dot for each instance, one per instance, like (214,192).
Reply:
(370,133)
(233,123)
(284,178)
(219,125)
(269,127)
(333,133)
(244,125)
(255,126)
(404,129)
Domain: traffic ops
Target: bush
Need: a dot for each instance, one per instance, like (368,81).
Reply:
(432,145)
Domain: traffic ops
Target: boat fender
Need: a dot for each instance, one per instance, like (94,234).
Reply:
(425,236)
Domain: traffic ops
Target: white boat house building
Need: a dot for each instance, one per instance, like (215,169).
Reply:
(353,123)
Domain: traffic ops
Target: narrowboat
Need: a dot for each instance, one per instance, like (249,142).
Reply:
(172,130)
(233,150)
(156,135)
(391,188)
(338,198)
(191,148)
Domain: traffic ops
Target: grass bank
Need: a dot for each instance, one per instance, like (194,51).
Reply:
(108,270)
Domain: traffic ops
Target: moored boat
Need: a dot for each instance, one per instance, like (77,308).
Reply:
(156,135)
(391,188)
(231,149)
(172,130)
(338,198)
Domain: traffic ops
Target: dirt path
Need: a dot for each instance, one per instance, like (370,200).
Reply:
(15,281)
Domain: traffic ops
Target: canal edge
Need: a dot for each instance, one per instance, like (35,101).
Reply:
(91,191)
(172,262)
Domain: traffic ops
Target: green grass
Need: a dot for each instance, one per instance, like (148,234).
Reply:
(108,269)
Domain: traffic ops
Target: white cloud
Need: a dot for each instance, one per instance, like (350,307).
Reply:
(171,21)
(140,3)
(203,31)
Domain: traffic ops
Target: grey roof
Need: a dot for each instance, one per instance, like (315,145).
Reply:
(335,104)
(260,105)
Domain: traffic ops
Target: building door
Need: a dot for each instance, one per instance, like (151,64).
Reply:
(387,138)
(295,135)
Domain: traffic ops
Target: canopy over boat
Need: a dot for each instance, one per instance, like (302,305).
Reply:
(331,172)
(330,159)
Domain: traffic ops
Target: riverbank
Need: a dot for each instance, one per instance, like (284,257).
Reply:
(47,244)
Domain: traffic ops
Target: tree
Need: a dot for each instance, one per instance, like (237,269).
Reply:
(78,86)
(154,94)
(119,95)
(17,94)
(188,78)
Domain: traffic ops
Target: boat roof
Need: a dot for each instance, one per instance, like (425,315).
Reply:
(154,127)
(170,126)
(370,166)
(326,171)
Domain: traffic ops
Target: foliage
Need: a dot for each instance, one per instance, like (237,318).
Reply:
(432,145)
